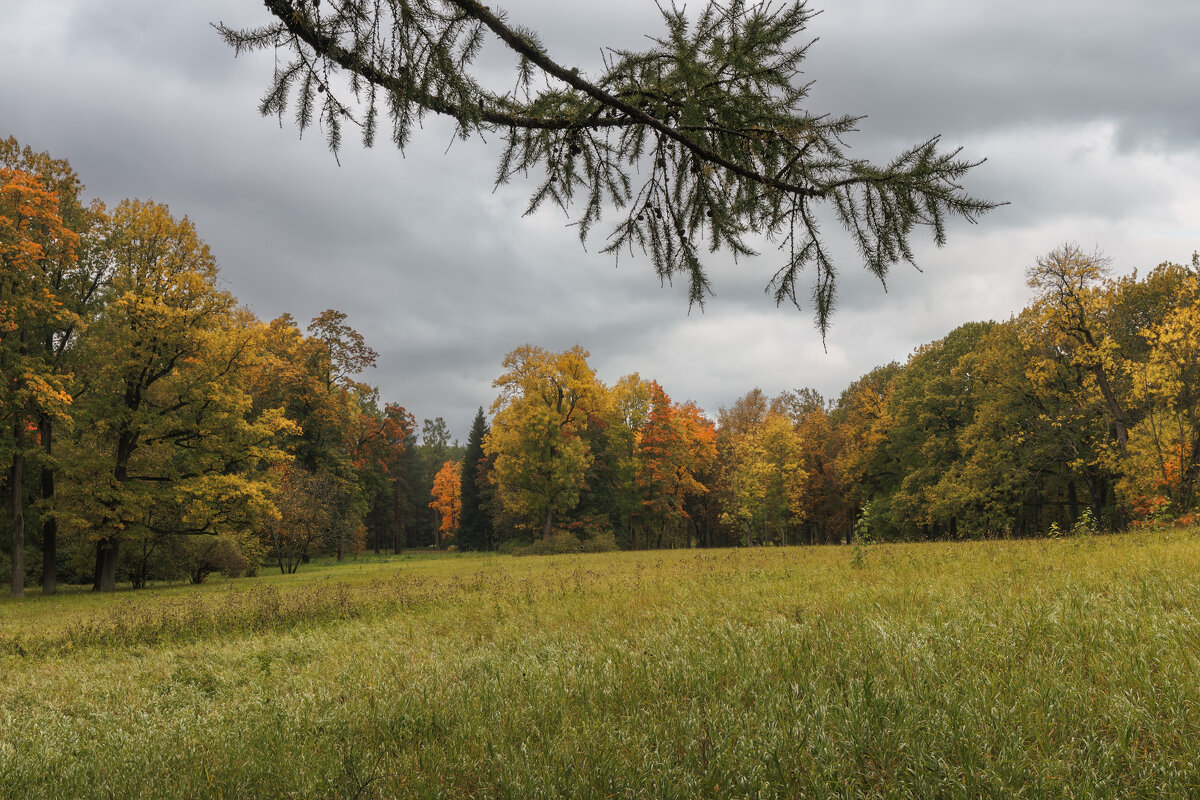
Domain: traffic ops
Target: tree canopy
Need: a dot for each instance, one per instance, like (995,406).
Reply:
(702,141)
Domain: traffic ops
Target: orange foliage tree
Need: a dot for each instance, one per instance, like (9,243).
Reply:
(31,232)
(675,445)
(447,499)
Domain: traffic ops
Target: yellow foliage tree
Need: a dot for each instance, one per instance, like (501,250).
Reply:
(539,458)
(1165,445)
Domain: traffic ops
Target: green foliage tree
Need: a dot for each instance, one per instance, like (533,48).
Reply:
(864,417)
(1011,461)
(627,412)
(702,140)
(934,399)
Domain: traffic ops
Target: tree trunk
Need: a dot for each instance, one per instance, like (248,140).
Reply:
(106,565)
(548,526)
(398,521)
(1188,475)
(1114,407)
(18,509)
(50,522)
(375,516)
(1072,503)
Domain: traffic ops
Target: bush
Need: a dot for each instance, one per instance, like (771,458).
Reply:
(559,543)
(600,543)
(562,543)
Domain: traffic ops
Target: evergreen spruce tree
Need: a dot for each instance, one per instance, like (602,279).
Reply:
(475,524)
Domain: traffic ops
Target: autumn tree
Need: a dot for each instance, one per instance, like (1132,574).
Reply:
(379,455)
(675,445)
(1164,446)
(823,515)
(764,481)
(310,508)
(864,418)
(447,500)
(31,234)
(539,458)
(169,443)
(313,376)
(1070,302)
(75,277)
(787,482)
(703,140)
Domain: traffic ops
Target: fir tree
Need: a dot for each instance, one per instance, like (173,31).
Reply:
(475,525)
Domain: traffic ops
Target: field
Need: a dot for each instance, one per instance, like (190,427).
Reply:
(1064,668)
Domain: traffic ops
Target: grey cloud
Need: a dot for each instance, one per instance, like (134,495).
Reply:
(1087,112)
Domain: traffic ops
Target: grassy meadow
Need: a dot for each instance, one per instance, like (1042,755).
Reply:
(1049,668)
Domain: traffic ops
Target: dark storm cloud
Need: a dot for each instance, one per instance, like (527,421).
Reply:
(1086,111)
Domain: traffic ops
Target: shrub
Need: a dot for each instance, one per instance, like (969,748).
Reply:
(559,543)
(600,543)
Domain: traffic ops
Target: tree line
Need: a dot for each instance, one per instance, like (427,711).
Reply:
(156,429)
(153,428)
(1082,412)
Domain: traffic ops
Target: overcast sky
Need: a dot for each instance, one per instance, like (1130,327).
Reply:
(1088,112)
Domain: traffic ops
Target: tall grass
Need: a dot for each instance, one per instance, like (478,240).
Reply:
(1063,668)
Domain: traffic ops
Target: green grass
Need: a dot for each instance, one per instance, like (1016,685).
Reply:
(1063,668)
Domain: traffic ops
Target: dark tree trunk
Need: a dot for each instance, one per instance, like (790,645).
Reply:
(1190,473)
(107,548)
(375,517)
(1120,422)
(398,522)
(50,523)
(106,565)
(1072,503)
(18,509)
(548,526)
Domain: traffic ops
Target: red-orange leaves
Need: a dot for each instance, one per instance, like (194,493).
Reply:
(447,498)
(677,444)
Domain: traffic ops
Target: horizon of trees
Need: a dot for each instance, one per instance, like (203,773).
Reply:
(155,429)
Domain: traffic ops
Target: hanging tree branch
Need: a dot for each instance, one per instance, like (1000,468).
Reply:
(701,139)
